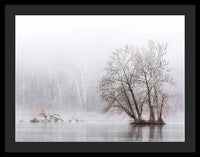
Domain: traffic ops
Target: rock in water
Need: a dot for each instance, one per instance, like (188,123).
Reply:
(51,118)
(56,118)
(75,120)
(34,120)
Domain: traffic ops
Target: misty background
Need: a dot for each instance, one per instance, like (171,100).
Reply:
(59,59)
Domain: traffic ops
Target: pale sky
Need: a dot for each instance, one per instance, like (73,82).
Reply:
(69,40)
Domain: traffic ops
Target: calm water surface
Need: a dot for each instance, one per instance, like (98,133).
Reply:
(97,132)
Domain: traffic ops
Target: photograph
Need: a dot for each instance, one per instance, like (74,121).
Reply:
(99,78)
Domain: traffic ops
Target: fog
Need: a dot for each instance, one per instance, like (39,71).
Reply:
(68,53)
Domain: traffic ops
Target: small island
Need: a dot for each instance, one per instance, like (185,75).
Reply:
(134,80)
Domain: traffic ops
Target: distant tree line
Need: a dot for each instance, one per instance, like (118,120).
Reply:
(55,89)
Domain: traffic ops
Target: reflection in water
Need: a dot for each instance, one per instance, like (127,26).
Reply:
(136,132)
(99,132)
(159,135)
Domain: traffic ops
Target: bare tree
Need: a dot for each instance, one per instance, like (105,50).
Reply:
(135,78)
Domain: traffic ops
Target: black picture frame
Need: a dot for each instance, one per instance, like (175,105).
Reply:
(12,9)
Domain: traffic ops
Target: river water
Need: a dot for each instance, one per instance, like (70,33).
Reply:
(98,131)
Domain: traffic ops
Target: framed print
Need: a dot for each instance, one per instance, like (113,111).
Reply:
(100,78)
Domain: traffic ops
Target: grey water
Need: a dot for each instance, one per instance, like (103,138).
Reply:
(98,132)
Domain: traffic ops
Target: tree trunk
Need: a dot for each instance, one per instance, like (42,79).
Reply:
(132,94)
(161,108)
(127,99)
(156,99)
(151,114)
